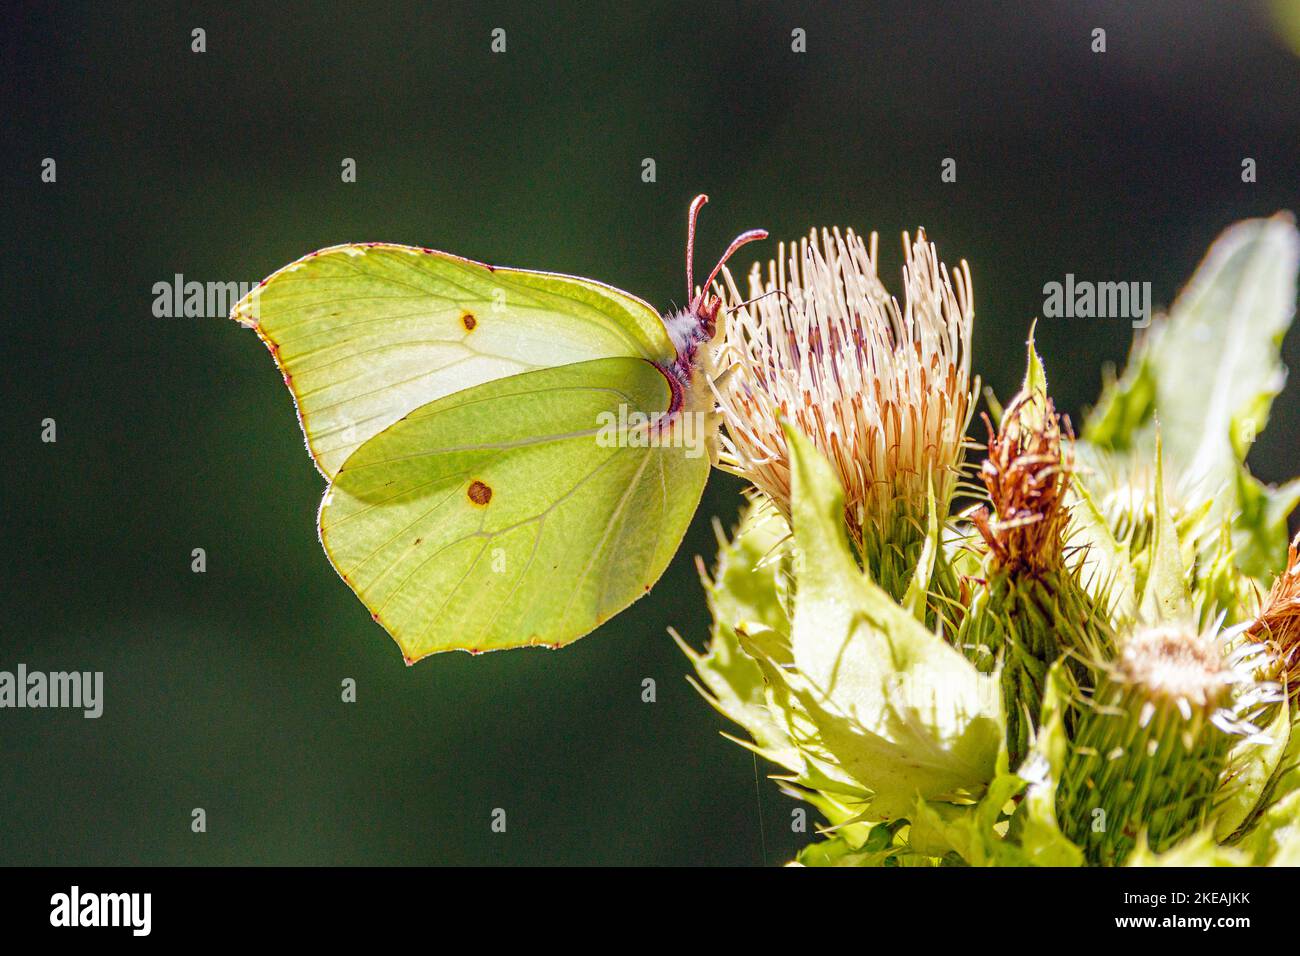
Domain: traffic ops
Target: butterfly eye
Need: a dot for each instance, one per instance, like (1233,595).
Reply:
(707,314)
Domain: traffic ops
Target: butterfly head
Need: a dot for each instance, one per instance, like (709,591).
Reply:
(704,304)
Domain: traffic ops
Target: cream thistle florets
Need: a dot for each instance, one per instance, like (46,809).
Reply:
(1176,666)
(882,389)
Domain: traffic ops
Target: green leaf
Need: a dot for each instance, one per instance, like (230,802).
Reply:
(1126,410)
(1214,363)
(838,851)
(918,591)
(971,831)
(1034,825)
(981,834)
(1199,849)
(821,768)
(1164,595)
(741,673)
(1250,766)
(746,593)
(1275,840)
(750,582)
(1033,391)
(1273,826)
(1106,567)
(1209,372)
(902,711)
(1035,378)
(1259,532)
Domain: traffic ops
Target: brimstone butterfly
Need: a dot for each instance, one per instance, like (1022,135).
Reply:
(480,496)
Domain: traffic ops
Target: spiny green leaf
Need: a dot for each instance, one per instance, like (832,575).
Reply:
(972,831)
(1215,359)
(1275,840)
(1251,765)
(1199,849)
(1164,596)
(919,589)
(1106,565)
(1259,533)
(746,593)
(1209,372)
(1034,825)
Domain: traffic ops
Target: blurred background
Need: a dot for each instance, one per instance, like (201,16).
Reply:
(222,689)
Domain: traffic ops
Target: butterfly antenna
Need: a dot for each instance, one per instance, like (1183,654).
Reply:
(752,235)
(696,204)
(760,297)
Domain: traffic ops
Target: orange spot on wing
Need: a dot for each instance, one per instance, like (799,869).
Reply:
(479,493)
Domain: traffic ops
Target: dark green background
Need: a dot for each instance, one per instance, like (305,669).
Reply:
(222,689)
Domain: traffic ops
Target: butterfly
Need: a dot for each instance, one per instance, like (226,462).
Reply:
(513,457)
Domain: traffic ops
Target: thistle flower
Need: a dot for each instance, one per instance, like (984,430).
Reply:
(1033,606)
(1277,626)
(1131,711)
(1150,745)
(881,389)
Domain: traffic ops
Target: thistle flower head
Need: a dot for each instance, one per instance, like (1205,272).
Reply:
(1194,673)
(1151,748)
(1175,665)
(1026,474)
(881,389)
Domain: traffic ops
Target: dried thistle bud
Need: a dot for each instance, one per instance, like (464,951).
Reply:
(882,390)
(1034,607)
(1151,742)
(1277,627)
(1026,474)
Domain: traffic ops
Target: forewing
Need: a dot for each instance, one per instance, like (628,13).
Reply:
(510,514)
(365,334)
